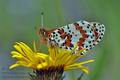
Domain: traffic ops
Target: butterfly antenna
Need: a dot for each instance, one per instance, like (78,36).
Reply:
(42,19)
(38,32)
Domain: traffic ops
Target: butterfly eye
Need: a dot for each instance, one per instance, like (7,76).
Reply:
(44,33)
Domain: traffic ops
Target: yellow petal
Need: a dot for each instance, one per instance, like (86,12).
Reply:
(19,56)
(78,65)
(42,55)
(59,59)
(53,52)
(85,62)
(25,46)
(64,58)
(18,48)
(13,66)
(15,53)
(44,64)
(27,51)
(72,59)
(85,69)
(81,63)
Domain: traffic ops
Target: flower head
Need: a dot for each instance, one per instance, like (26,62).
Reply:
(56,59)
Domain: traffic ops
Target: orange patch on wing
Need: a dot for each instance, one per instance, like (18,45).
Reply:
(78,27)
(63,35)
(81,41)
(84,35)
(68,40)
(60,31)
(96,34)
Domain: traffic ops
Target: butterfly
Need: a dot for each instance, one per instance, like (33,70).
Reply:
(85,34)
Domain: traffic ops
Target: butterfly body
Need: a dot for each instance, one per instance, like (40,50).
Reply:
(84,34)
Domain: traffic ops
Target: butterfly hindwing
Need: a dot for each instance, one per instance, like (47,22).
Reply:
(84,34)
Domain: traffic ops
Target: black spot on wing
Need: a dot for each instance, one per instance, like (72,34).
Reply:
(82,45)
(66,47)
(102,34)
(86,46)
(58,40)
(96,29)
(100,31)
(53,36)
(70,31)
(53,32)
(68,27)
(89,42)
(103,30)
(100,38)
(88,26)
(93,40)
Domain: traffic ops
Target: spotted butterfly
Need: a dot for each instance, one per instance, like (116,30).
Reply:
(84,34)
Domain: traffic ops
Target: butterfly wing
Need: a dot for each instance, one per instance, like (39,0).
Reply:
(84,34)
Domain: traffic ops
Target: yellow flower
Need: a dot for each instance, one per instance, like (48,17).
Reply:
(55,59)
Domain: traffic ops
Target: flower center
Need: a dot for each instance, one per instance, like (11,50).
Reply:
(51,73)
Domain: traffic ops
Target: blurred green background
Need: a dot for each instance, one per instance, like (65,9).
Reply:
(18,19)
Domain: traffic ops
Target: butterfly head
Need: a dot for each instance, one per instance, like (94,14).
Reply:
(43,32)
(43,35)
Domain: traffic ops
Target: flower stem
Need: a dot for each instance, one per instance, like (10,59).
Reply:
(80,77)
